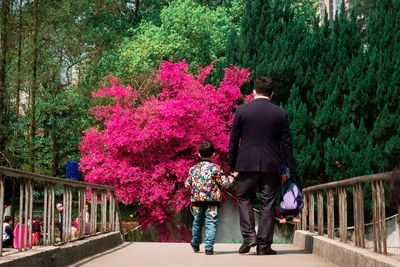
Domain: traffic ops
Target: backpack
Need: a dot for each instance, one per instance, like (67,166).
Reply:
(292,199)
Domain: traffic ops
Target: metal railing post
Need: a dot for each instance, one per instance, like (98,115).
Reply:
(30,212)
(52,216)
(1,211)
(109,218)
(69,214)
(103,212)
(331,214)
(21,204)
(361,215)
(63,215)
(94,211)
(320,212)
(304,212)
(358,211)
(117,213)
(311,213)
(80,212)
(84,213)
(343,214)
(26,206)
(356,216)
(374,217)
(45,221)
(383,217)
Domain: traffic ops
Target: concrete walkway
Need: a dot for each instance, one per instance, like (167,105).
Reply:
(180,254)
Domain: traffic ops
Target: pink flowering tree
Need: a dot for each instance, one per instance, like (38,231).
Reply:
(145,148)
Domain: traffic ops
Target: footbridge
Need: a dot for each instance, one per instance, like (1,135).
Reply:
(344,223)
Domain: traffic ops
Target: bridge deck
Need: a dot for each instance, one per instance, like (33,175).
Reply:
(143,254)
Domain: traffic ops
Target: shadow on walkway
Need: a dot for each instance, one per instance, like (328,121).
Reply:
(280,252)
(295,251)
(83,262)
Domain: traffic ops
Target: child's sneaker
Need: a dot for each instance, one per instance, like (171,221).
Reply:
(196,248)
(209,252)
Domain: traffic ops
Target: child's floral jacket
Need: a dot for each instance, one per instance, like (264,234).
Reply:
(204,181)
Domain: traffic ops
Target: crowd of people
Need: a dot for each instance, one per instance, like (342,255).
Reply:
(10,238)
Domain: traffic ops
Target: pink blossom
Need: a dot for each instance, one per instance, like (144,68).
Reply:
(144,150)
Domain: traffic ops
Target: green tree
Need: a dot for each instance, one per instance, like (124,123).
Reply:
(352,153)
(306,145)
(188,30)
(52,61)
(383,57)
(4,98)
(267,41)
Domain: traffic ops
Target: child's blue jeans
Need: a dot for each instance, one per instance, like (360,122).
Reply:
(209,216)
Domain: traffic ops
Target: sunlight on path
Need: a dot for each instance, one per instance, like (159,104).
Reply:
(181,254)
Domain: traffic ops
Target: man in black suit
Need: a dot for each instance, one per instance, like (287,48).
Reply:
(259,146)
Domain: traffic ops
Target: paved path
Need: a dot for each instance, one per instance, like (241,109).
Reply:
(140,254)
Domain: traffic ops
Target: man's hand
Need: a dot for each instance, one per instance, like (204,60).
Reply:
(235,174)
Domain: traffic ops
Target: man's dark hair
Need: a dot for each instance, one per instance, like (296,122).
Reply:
(263,86)
(7,219)
(206,149)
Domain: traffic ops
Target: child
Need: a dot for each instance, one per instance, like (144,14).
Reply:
(37,225)
(8,235)
(204,181)
(292,200)
(23,232)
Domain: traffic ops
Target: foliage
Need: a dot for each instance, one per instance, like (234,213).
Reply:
(338,81)
(268,38)
(187,30)
(72,37)
(144,150)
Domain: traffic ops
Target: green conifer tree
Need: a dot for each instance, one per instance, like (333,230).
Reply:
(383,55)
(305,150)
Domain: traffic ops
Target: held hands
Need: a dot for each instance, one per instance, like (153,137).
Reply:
(235,174)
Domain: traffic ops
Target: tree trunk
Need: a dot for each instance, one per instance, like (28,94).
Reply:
(32,93)
(18,92)
(137,10)
(5,10)
(54,146)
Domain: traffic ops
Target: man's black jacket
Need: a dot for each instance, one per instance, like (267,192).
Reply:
(260,138)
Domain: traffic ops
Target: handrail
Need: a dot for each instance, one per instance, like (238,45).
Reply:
(385,176)
(338,188)
(73,192)
(44,178)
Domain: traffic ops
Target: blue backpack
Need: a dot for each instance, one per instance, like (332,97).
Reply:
(292,199)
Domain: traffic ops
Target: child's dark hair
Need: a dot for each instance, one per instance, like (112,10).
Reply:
(206,149)
(7,219)
(395,186)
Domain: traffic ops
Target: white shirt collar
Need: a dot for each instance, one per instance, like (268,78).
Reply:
(261,96)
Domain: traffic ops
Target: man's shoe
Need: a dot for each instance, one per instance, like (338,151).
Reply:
(266,251)
(196,248)
(209,252)
(245,247)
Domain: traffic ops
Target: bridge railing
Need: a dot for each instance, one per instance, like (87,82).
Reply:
(103,216)
(319,193)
